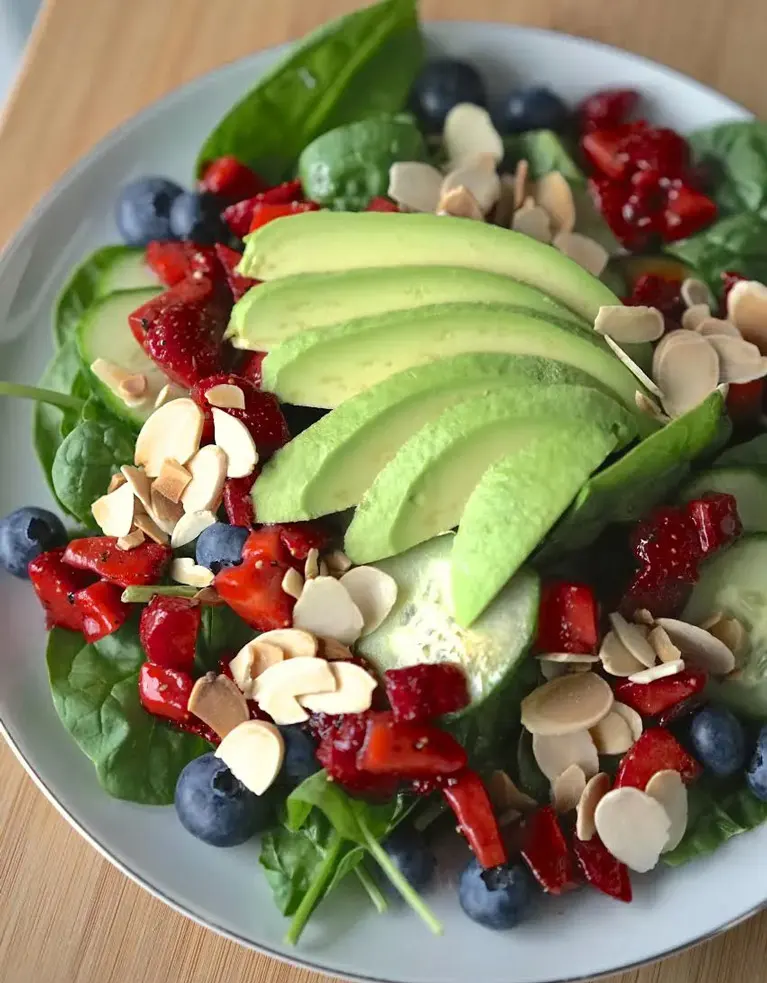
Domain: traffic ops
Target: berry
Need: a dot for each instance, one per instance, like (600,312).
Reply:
(420,693)
(756,776)
(145,564)
(687,211)
(668,542)
(196,217)
(143,209)
(165,692)
(217,808)
(718,740)
(168,631)
(238,284)
(300,537)
(231,180)
(546,852)
(496,898)
(567,618)
(406,751)
(300,755)
(652,290)
(655,750)
(381,204)
(220,546)
(745,401)
(607,109)
(409,851)
(103,610)
(468,797)
(250,367)
(184,340)
(716,518)
(25,534)
(56,585)
(199,292)
(534,108)
(262,414)
(266,212)
(341,738)
(238,504)
(652,699)
(254,589)
(443,83)
(599,868)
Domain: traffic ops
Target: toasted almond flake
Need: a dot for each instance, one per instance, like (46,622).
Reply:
(278,687)
(226,396)
(616,658)
(483,183)
(662,644)
(172,480)
(415,185)
(208,470)
(332,650)
(595,790)
(293,583)
(534,222)
(714,326)
(631,717)
(115,511)
(699,647)
(251,661)
(150,529)
(234,438)
(294,643)
(553,192)
(122,383)
(131,541)
(353,693)
(326,608)
(633,826)
(646,404)
(661,671)
(209,596)
(586,252)
(634,639)
(747,309)
(566,705)
(695,315)
(520,180)
(469,132)
(555,754)
(312,564)
(630,325)
(552,670)
(168,393)
(338,563)
(140,483)
(713,619)
(568,658)
(185,571)
(731,633)
(632,366)
(253,752)
(117,479)
(670,340)
(217,701)
(687,374)
(373,591)
(739,360)
(174,430)
(695,293)
(460,203)
(668,789)
(505,796)
(133,388)
(567,789)
(643,617)
(189,527)
(505,207)
(612,734)
(164,512)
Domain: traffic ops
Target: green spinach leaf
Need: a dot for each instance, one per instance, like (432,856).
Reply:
(737,152)
(291,859)
(222,633)
(343,812)
(353,67)
(95,692)
(737,243)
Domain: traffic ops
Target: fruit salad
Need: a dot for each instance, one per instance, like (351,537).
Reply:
(410,470)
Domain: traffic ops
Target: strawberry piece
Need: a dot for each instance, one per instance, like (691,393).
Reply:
(607,109)
(300,537)
(567,618)
(56,585)
(467,796)
(341,737)
(667,541)
(239,217)
(651,699)
(546,853)
(253,590)
(165,692)
(199,291)
(145,564)
(174,262)
(266,544)
(651,590)
(230,179)
(656,750)
(102,608)
(420,693)
(687,212)
(193,725)
(266,212)
(652,290)
(405,750)
(168,631)
(680,710)
(185,341)
(604,150)
(744,402)
(599,868)
(238,503)
(238,284)
(262,414)
(716,518)
(381,204)
(250,367)
(611,198)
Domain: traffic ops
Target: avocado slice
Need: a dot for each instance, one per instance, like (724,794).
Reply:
(325,366)
(422,491)
(329,466)
(325,242)
(264,318)
(518,499)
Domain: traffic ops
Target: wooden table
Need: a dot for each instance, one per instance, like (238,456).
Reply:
(66,915)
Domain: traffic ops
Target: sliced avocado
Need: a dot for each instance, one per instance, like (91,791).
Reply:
(422,491)
(325,366)
(325,242)
(329,466)
(518,499)
(277,310)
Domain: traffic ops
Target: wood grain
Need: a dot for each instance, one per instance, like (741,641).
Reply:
(67,916)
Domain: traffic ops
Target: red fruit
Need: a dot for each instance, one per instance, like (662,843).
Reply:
(406,751)
(341,738)
(168,631)
(238,503)
(656,750)
(253,590)
(716,518)
(651,290)
(103,610)
(185,340)
(145,564)
(300,537)
(230,179)
(599,868)
(381,204)
(744,401)
(266,212)
(567,618)
(56,585)
(250,367)
(667,542)
(605,151)
(190,291)
(467,797)
(165,692)
(687,212)
(611,198)
(238,284)
(546,852)
(262,414)
(665,598)
(196,727)
(266,545)
(680,710)
(174,262)
(420,693)
(651,699)
(607,109)
(240,215)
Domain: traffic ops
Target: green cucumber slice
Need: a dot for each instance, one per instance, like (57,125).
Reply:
(127,271)
(749,488)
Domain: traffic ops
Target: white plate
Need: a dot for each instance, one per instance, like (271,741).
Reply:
(578,936)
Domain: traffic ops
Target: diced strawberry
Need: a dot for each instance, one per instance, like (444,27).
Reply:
(300,537)
(145,564)
(381,204)
(102,608)
(185,341)
(406,751)
(253,590)
(56,585)
(168,631)
(341,738)
(266,544)
(266,212)
(262,414)
(165,692)
(651,699)
(422,692)
(546,852)
(239,217)
(174,262)
(716,518)
(599,868)
(605,152)
(611,198)
(567,618)
(687,212)
(668,542)
(656,750)
(189,291)
(193,725)
(238,284)
(652,591)
(607,109)
(250,367)
(230,179)
(238,503)
(745,401)
(652,290)
(467,796)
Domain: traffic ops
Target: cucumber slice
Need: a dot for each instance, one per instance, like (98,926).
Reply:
(104,333)
(735,583)
(749,488)
(127,271)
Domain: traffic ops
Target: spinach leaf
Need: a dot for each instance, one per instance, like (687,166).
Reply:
(291,859)
(751,454)
(95,692)
(529,776)
(343,812)
(353,67)
(222,633)
(737,152)
(736,243)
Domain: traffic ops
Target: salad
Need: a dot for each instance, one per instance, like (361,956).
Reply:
(413,475)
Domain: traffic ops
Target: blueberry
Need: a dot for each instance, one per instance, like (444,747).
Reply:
(25,534)
(756,776)
(300,755)
(143,210)
(220,546)
(718,741)
(215,807)
(441,85)
(412,855)
(495,898)
(535,108)
(197,217)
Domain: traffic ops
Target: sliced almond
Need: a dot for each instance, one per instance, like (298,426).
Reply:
(234,438)
(174,430)
(534,222)
(686,376)
(634,639)
(468,132)
(699,647)
(251,661)
(338,563)
(172,480)
(668,789)
(567,789)
(208,469)
(553,193)
(568,658)
(129,387)
(646,404)
(353,693)
(747,309)
(141,484)
(643,617)
(663,646)
(185,571)
(521,174)
(552,670)
(713,619)
(209,596)
(632,366)
(631,717)
(293,583)
(505,796)
(168,393)
(294,643)
(595,790)
(217,701)
(312,564)
(133,389)
(460,203)
(373,591)
(633,826)
(670,340)
(189,527)
(612,735)
(630,325)
(695,316)
(164,512)
(253,752)
(115,511)
(731,633)
(473,175)
(695,293)
(117,479)
(226,396)
(332,650)
(566,705)
(586,252)
(131,541)
(616,658)
(326,608)
(661,671)
(505,207)
(739,360)
(555,754)
(712,326)
(278,687)
(150,529)
(415,185)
